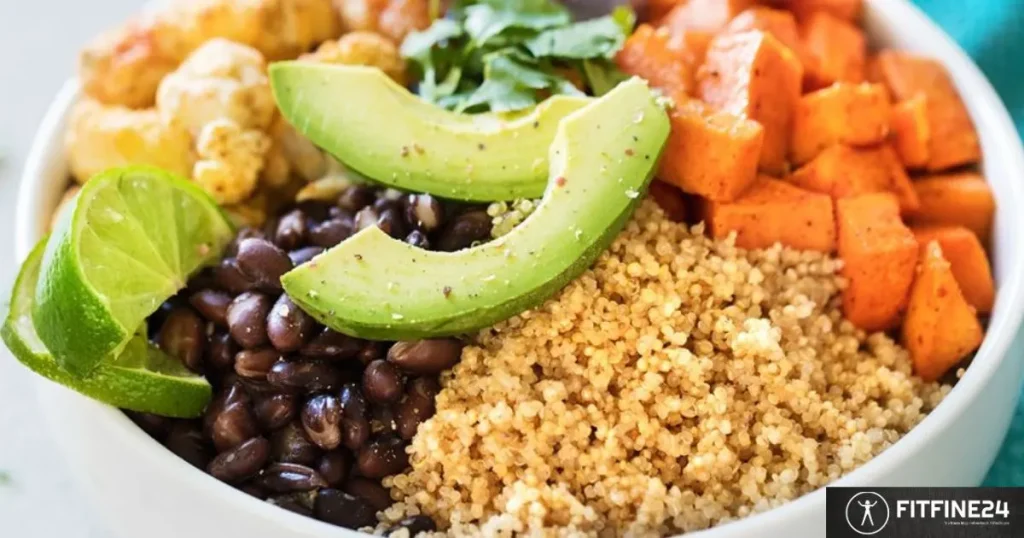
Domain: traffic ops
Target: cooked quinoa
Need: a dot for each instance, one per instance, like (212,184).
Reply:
(678,384)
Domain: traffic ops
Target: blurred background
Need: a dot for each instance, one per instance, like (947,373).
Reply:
(38,44)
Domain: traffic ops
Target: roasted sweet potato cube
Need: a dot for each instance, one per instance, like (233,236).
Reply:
(704,15)
(842,171)
(670,198)
(967,260)
(712,154)
(879,254)
(910,131)
(779,23)
(941,328)
(694,43)
(647,54)
(848,10)
(655,10)
(953,141)
(962,199)
(773,211)
(853,114)
(834,51)
(755,76)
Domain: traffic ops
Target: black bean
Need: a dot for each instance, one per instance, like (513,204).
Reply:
(426,357)
(220,352)
(288,327)
(212,305)
(339,508)
(382,382)
(383,456)
(263,262)
(156,319)
(244,233)
(370,352)
(382,419)
(417,407)
(330,344)
(230,278)
(256,363)
(290,477)
(250,487)
(415,525)
(465,230)
(305,376)
(424,212)
(383,204)
(290,444)
(356,197)
(390,222)
(314,209)
(290,503)
(334,466)
(182,337)
(155,425)
(330,232)
(273,412)
(365,218)
(335,212)
(355,422)
(291,230)
(241,462)
(247,319)
(370,491)
(186,440)
(321,418)
(355,432)
(232,426)
(304,254)
(418,239)
(232,393)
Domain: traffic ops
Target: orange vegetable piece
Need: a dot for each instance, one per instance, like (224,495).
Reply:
(842,171)
(967,260)
(910,131)
(704,15)
(713,154)
(834,49)
(671,200)
(848,10)
(753,75)
(879,254)
(953,141)
(647,54)
(853,114)
(773,211)
(941,328)
(961,199)
(780,24)
(693,42)
(655,10)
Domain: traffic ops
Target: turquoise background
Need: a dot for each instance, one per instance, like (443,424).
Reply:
(992,32)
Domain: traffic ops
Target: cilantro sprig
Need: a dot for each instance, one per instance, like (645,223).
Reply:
(507,55)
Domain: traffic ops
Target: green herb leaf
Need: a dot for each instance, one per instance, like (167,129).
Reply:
(602,76)
(595,38)
(484,22)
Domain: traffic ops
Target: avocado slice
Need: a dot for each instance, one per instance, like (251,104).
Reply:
(378,128)
(602,158)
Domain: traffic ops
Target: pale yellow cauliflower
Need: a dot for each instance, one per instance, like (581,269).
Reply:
(230,160)
(362,48)
(395,19)
(125,66)
(292,153)
(101,137)
(221,79)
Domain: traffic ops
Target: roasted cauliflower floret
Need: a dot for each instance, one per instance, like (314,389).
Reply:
(301,156)
(362,48)
(125,66)
(392,18)
(221,79)
(101,137)
(230,160)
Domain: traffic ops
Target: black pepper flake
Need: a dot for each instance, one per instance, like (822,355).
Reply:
(635,139)
(447,291)
(536,125)
(419,149)
(629,152)
(405,151)
(359,257)
(481,146)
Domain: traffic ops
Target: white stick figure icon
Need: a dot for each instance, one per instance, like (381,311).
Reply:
(867,506)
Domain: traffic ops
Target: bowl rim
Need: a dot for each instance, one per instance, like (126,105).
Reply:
(988,109)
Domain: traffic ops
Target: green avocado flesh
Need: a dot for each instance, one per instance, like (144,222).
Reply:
(602,158)
(381,130)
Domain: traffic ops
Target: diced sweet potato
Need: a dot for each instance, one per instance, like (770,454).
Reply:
(953,140)
(712,154)
(704,15)
(647,54)
(834,51)
(879,254)
(910,132)
(962,199)
(853,114)
(967,260)
(848,10)
(779,23)
(655,10)
(842,171)
(671,200)
(694,43)
(941,327)
(773,211)
(755,76)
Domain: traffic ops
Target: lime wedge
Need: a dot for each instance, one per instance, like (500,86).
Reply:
(130,241)
(142,378)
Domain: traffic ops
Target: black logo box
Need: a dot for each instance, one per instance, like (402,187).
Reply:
(924,512)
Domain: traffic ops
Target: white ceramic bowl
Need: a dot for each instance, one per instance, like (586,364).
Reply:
(138,488)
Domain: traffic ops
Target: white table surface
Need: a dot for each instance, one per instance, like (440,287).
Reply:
(38,43)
